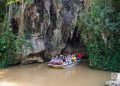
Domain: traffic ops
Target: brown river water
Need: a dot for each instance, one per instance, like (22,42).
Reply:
(42,75)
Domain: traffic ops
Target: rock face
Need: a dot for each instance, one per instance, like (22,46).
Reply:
(55,21)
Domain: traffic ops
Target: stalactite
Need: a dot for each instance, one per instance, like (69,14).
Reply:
(57,37)
(21,25)
(10,13)
(53,12)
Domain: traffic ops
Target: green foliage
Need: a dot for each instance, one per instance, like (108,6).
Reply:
(9,2)
(12,2)
(10,45)
(7,41)
(2,9)
(101,33)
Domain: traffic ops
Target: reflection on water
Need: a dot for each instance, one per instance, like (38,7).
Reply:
(41,75)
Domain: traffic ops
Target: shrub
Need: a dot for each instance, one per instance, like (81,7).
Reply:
(100,28)
(10,45)
(7,44)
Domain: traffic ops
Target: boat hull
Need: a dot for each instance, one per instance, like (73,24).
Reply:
(62,66)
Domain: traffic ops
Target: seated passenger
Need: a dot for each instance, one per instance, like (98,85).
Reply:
(64,58)
(74,58)
(69,58)
(79,56)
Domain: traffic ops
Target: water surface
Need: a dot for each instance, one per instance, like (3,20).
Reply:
(42,75)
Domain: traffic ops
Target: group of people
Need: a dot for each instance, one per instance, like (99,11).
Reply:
(66,59)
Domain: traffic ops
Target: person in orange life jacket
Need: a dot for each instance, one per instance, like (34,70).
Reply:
(79,56)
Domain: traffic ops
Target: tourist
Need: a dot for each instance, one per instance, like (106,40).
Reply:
(79,56)
(74,58)
(64,58)
(69,58)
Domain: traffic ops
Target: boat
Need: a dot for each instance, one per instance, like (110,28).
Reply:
(63,66)
(64,61)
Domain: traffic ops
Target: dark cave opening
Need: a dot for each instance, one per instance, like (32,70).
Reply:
(14,26)
(76,44)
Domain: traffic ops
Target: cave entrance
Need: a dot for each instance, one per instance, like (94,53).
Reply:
(76,43)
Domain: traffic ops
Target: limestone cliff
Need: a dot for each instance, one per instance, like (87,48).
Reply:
(55,22)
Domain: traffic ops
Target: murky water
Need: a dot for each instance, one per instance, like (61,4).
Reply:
(41,75)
